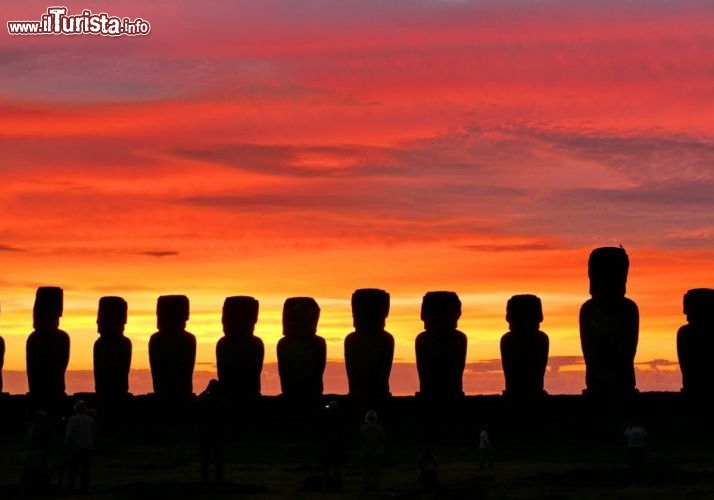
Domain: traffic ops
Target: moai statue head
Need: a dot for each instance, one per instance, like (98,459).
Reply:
(370,308)
(111,316)
(172,312)
(240,314)
(49,302)
(440,311)
(699,306)
(300,316)
(524,312)
(607,270)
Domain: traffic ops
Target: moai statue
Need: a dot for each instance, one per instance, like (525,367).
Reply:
(112,350)
(302,354)
(369,350)
(2,359)
(47,347)
(441,348)
(172,350)
(524,348)
(609,326)
(695,343)
(239,354)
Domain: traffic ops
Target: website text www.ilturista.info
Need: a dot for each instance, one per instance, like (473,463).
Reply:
(56,21)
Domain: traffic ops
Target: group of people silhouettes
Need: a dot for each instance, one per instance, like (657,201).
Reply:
(609,330)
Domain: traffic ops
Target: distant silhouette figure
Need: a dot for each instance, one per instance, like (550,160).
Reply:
(428,470)
(333,445)
(2,359)
(36,473)
(369,350)
(212,429)
(172,350)
(239,354)
(524,349)
(609,326)
(695,342)
(112,350)
(441,348)
(373,445)
(302,354)
(80,442)
(47,347)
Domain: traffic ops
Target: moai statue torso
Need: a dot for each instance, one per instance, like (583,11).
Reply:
(47,347)
(112,350)
(302,354)
(369,350)
(172,350)
(609,326)
(441,348)
(2,359)
(239,354)
(695,343)
(524,349)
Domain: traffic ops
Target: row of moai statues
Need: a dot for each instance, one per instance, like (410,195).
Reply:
(609,330)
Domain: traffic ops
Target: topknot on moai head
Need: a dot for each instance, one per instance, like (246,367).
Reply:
(440,310)
(607,270)
(49,301)
(699,305)
(172,312)
(300,317)
(111,315)
(240,313)
(524,311)
(370,308)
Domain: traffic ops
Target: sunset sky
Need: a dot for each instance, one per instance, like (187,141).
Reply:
(282,148)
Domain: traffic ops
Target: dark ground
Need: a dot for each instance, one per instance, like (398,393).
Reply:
(565,447)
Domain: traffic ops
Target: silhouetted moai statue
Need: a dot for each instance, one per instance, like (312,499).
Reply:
(524,349)
(302,354)
(369,350)
(239,354)
(609,326)
(112,350)
(172,350)
(47,348)
(441,348)
(695,343)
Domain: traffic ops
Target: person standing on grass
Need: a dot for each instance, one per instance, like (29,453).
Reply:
(80,442)
(636,440)
(485,449)
(373,442)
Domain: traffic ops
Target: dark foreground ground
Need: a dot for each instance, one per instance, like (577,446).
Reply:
(565,447)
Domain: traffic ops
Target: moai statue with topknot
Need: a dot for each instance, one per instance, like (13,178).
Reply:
(239,353)
(302,354)
(441,348)
(695,343)
(112,350)
(369,350)
(609,326)
(47,347)
(172,350)
(524,348)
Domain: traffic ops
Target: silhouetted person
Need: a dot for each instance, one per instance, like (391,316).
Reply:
(524,349)
(36,473)
(695,343)
(609,326)
(172,350)
(636,436)
(47,348)
(428,471)
(80,442)
(302,354)
(333,445)
(213,426)
(112,350)
(373,444)
(369,350)
(2,359)
(239,354)
(441,348)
